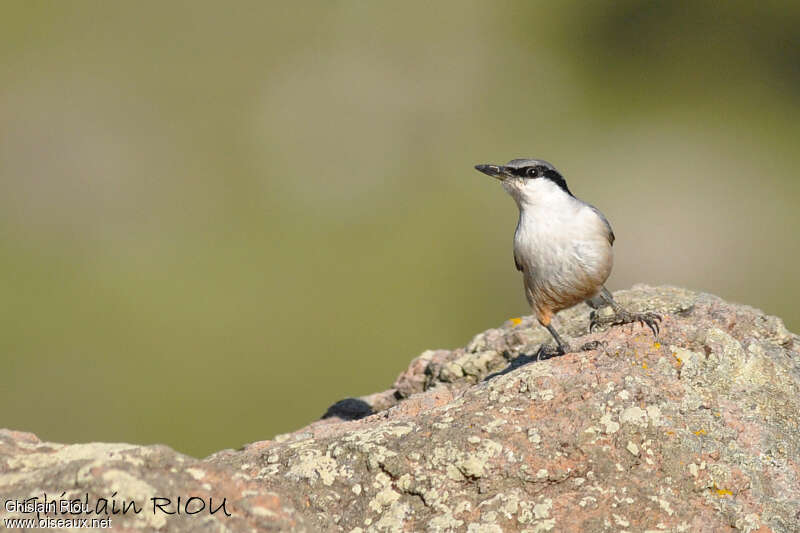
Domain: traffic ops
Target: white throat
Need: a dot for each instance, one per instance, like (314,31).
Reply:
(539,194)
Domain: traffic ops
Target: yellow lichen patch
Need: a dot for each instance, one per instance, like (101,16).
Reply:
(700,432)
(722,492)
(516,321)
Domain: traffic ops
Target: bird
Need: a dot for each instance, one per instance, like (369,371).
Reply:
(564,248)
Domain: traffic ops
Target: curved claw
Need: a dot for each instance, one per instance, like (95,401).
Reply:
(652,320)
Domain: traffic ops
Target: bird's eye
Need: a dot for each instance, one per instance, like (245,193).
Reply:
(531,172)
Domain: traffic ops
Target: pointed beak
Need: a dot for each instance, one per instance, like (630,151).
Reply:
(494,171)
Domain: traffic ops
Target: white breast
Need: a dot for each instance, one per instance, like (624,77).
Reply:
(562,245)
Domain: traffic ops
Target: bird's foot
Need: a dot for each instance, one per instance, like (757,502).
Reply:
(593,345)
(547,351)
(621,317)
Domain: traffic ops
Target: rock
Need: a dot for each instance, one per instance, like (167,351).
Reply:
(695,432)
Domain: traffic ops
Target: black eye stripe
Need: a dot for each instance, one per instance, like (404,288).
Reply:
(529,172)
(541,171)
(522,172)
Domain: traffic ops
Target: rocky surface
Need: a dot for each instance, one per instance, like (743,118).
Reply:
(697,431)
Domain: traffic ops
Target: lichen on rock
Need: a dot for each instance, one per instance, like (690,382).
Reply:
(698,430)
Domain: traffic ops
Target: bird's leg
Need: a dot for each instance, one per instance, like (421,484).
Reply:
(546,351)
(561,346)
(622,316)
(544,315)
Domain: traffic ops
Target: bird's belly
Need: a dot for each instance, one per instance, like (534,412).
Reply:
(560,274)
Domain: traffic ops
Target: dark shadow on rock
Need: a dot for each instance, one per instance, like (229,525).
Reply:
(349,409)
(520,360)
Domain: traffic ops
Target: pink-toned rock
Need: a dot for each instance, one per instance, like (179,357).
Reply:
(697,431)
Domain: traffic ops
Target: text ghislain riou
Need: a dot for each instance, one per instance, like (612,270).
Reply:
(191,505)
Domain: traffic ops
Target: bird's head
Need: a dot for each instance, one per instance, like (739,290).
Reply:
(527,179)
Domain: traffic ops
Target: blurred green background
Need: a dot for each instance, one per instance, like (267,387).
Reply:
(216,219)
